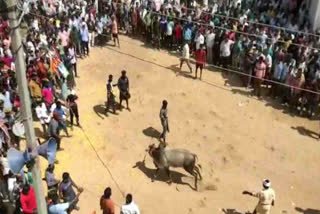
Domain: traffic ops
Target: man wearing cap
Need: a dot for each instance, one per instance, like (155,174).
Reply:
(266,198)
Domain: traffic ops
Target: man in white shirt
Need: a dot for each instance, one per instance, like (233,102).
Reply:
(210,42)
(185,56)
(266,198)
(61,208)
(199,40)
(43,116)
(130,207)
(225,51)
(169,37)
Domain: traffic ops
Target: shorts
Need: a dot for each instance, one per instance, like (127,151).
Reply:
(198,65)
(184,60)
(124,95)
(115,35)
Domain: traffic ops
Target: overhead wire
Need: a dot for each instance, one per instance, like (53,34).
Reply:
(227,69)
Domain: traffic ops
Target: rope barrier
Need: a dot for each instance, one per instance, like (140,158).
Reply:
(102,162)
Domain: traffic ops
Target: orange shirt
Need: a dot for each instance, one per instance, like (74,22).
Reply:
(106,206)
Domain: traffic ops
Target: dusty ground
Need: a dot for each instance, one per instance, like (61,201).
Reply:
(238,139)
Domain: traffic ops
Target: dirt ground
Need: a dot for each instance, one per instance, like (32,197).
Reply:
(239,140)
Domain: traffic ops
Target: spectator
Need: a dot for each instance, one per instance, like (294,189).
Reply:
(200,60)
(28,200)
(129,207)
(106,204)
(67,193)
(84,40)
(225,51)
(260,72)
(73,107)
(61,208)
(185,56)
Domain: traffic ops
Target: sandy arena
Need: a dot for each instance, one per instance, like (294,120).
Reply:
(239,140)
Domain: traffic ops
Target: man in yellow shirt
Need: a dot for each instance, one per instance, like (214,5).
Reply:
(266,198)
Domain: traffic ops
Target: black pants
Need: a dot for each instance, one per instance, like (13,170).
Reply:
(75,69)
(169,41)
(85,47)
(225,61)
(74,113)
(111,103)
(58,142)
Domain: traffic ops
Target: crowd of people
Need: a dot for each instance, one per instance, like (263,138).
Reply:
(269,44)
(59,33)
(227,36)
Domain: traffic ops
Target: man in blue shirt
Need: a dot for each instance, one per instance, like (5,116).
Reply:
(187,34)
(84,39)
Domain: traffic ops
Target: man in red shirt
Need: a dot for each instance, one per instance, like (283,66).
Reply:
(28,200)
(178,31)
(106,204)
(201,57)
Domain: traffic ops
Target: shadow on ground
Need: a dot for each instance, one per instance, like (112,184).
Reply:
(162,176)
(151,132)
(100,110)
(230,211)
(307,211)
(39,133)
(306,132)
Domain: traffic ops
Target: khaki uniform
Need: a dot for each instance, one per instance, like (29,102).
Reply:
(265,197)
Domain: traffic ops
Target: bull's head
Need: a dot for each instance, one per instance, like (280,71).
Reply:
(150,149)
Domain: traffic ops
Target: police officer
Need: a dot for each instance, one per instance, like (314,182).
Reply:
(266,198)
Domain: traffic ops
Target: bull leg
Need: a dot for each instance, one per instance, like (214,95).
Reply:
(193,172)
(196,181)
(169,175)
(198,172)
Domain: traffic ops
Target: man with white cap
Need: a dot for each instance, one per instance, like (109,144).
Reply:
(266,198)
